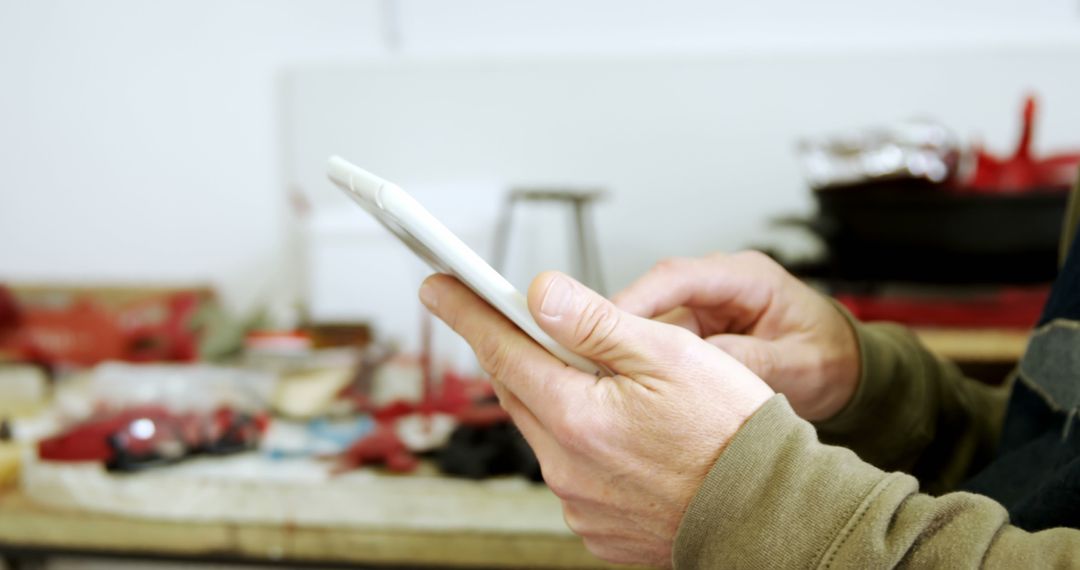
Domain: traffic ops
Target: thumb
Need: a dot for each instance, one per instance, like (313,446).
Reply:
(760,356)
(590,325)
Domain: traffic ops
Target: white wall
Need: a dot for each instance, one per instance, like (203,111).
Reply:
(750,27)
(697,152)
(139,141)
(144,140)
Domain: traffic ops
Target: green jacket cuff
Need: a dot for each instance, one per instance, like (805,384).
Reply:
(873,384)
(775,498)
(889,419)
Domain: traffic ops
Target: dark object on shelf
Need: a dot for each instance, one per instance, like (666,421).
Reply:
(998,223)
(914,231)
(9,309)
(477,452)
(325,335)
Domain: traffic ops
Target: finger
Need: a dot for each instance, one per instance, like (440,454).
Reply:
(590,325)
(541,442)
(543,384)
(760,356)
(681,317)
(733,283)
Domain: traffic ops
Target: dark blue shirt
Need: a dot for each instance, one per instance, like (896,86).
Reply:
(1036,472)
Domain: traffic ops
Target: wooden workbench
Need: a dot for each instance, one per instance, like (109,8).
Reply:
(27,527)
(988,355)
(975,345)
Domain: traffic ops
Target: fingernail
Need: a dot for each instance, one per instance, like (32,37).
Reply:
(427,296)
(557,298)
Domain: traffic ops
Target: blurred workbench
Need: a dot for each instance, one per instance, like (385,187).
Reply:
(29,531)
(985,354)
(972,345)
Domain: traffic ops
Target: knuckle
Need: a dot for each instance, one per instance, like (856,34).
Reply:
(561,483)
(756,257)
(559,488)
(572,433)
(606,550)
(573,519)
(771,274)
(595,330)
(767,365)
(493,355)
(680,346)
(449,315)
(669,265)
(595,546)
(759,360)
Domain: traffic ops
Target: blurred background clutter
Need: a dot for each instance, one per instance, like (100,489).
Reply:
(209,354)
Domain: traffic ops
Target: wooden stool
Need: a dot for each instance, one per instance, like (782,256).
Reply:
(586,253)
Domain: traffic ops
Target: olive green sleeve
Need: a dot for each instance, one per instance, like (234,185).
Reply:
(915,412)
(778,498)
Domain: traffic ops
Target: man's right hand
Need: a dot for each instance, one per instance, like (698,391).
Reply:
(749,306)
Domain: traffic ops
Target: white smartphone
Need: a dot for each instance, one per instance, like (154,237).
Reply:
(443,251)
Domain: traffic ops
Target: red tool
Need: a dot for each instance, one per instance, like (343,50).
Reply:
(84,332)
(150,435)
(380,447)
(456,395)
(1009,308)
(1022,171)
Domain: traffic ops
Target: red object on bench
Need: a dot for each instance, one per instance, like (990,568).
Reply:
(1022,171)
(1010,308)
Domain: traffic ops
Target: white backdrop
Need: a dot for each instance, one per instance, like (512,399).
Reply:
(140,141)
(698,152)
(146,141)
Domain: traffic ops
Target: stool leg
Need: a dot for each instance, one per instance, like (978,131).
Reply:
(587,251)
(581,256)
(502,234)
(592,248)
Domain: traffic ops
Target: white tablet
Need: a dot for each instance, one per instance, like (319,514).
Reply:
(443,251)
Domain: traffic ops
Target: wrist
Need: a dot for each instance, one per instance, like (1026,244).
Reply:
(838,366)
(841,370)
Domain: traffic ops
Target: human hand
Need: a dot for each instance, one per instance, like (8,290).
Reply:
(624,453)
(749,306)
